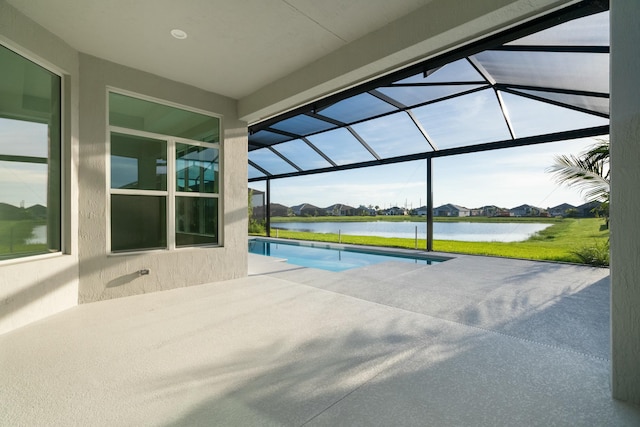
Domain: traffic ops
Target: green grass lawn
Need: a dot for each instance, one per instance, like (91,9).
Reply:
(559,242)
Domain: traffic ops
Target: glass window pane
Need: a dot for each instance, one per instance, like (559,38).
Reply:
(138,222)
(196,221)
(592,103)
(558,70)
(471,119)
(197,168)
(591,30)
(24,138)
(139,114)
(138,163)
(414,95)
(393,135)
(254,173)
(341,147)
(458,71)
(265,137)
(356,108)
(30,158)
(270,161)
(530,117)
(303,125)
(302,155)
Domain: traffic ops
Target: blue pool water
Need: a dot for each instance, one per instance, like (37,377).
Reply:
(326,257)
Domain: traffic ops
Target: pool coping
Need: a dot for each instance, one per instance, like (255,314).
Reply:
(375,250)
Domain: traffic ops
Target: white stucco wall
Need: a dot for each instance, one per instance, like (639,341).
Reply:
(625,200)
(104,276)
(37,287)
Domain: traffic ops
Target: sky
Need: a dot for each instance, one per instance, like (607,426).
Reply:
(506,178)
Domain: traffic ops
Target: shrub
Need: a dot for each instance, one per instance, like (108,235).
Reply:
(256,227)
(596,254)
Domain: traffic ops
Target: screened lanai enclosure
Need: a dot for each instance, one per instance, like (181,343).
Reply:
(541,82)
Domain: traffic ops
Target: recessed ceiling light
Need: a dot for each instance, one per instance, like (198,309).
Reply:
(179,34)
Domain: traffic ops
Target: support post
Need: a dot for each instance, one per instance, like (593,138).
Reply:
(267,208)
(429,205)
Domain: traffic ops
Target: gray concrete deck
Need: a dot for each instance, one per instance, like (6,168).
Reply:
(472,341)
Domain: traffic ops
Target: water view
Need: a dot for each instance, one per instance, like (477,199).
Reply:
(38,235)
(462,231)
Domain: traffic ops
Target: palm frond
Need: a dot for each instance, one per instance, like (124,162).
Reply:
(582,174)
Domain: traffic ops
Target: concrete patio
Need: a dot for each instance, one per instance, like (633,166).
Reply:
(472,341)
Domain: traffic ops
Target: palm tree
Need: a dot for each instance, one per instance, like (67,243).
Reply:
(589,173)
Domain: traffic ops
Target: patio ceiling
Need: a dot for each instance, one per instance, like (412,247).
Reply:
(545,81)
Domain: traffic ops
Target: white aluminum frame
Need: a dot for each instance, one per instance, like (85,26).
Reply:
(170,193)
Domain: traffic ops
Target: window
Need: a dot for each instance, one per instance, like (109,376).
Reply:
(30,160)
(165,176)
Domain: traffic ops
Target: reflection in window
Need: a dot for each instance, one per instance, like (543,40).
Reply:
(196,221)
(197,168)
(139,114)
(138,222)
(144,202)
(138,162)
(29,158)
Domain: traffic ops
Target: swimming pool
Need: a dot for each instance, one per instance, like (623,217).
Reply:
(329,257)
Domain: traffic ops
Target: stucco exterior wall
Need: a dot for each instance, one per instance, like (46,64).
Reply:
(37,287)
(104,276)
(33,288)
(625,200)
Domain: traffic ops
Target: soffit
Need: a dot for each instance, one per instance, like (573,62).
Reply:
(233,48)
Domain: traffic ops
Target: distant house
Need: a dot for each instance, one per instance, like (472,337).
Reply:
(395,211)
(527,210)
(489,211)
(365,211)
(451,210)
(307,209)
(561,210)
(340,210)
(421,211)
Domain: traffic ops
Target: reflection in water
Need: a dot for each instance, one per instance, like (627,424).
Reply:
(461,231)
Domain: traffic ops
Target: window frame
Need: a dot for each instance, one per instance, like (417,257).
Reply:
(171,193)
(64,163)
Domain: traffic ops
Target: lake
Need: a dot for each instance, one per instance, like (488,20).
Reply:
(462,231)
